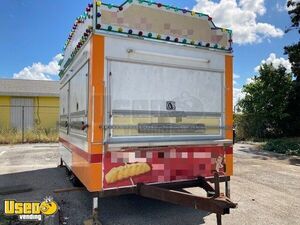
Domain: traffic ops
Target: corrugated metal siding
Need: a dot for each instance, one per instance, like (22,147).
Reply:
(4,112)
(16,112)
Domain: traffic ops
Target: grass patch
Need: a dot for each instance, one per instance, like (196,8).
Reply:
(37,135)
(287,146)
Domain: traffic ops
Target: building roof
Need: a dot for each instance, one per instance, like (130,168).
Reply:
(30,88)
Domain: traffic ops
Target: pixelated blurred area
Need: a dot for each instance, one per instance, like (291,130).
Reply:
(167,163)
(163,22)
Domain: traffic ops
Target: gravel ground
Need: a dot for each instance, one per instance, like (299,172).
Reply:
(266,186)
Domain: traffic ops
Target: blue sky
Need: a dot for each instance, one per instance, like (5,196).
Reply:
(34,31)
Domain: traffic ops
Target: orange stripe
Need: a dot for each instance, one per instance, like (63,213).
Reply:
(229,96)
(229,164)
(96,95)
(90,174)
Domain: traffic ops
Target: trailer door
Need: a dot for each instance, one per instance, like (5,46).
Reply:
(155,102)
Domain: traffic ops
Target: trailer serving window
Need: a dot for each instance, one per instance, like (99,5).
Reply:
(155,101)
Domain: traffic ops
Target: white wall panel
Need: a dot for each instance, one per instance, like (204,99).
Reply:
(63,98)
(78,90)
(117,47)
(149,87)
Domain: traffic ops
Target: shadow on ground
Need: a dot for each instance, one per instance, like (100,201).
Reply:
(132,209)
(264,155)
(77,206)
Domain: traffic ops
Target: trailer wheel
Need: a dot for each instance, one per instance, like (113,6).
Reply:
(75,181)
(68,171)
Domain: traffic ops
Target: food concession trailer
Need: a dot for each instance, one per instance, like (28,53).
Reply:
(146,103)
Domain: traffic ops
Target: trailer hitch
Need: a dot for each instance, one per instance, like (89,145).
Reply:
(214,202)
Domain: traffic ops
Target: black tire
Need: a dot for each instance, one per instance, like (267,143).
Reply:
(75,181)
(68,172)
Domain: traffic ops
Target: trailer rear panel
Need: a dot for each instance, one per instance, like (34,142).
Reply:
(141,108)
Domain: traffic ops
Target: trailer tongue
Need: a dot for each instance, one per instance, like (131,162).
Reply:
(175,193)
(146,104)
(216,203)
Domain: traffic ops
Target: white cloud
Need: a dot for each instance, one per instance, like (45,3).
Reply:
(256,6)
(237,92)
(235,76)
(280,8)
(39,71)
(249,80)
(241,17)
(276,62)
(237,95)
(283,7)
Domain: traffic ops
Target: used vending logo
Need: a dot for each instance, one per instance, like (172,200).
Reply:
(30,210)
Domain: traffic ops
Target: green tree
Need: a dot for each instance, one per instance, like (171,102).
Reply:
(294,12)
(293,52)
(264,107)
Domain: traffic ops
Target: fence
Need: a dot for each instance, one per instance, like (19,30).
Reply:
(26,123)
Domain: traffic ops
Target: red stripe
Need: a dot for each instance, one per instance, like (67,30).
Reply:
(229,150)
(91,158)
